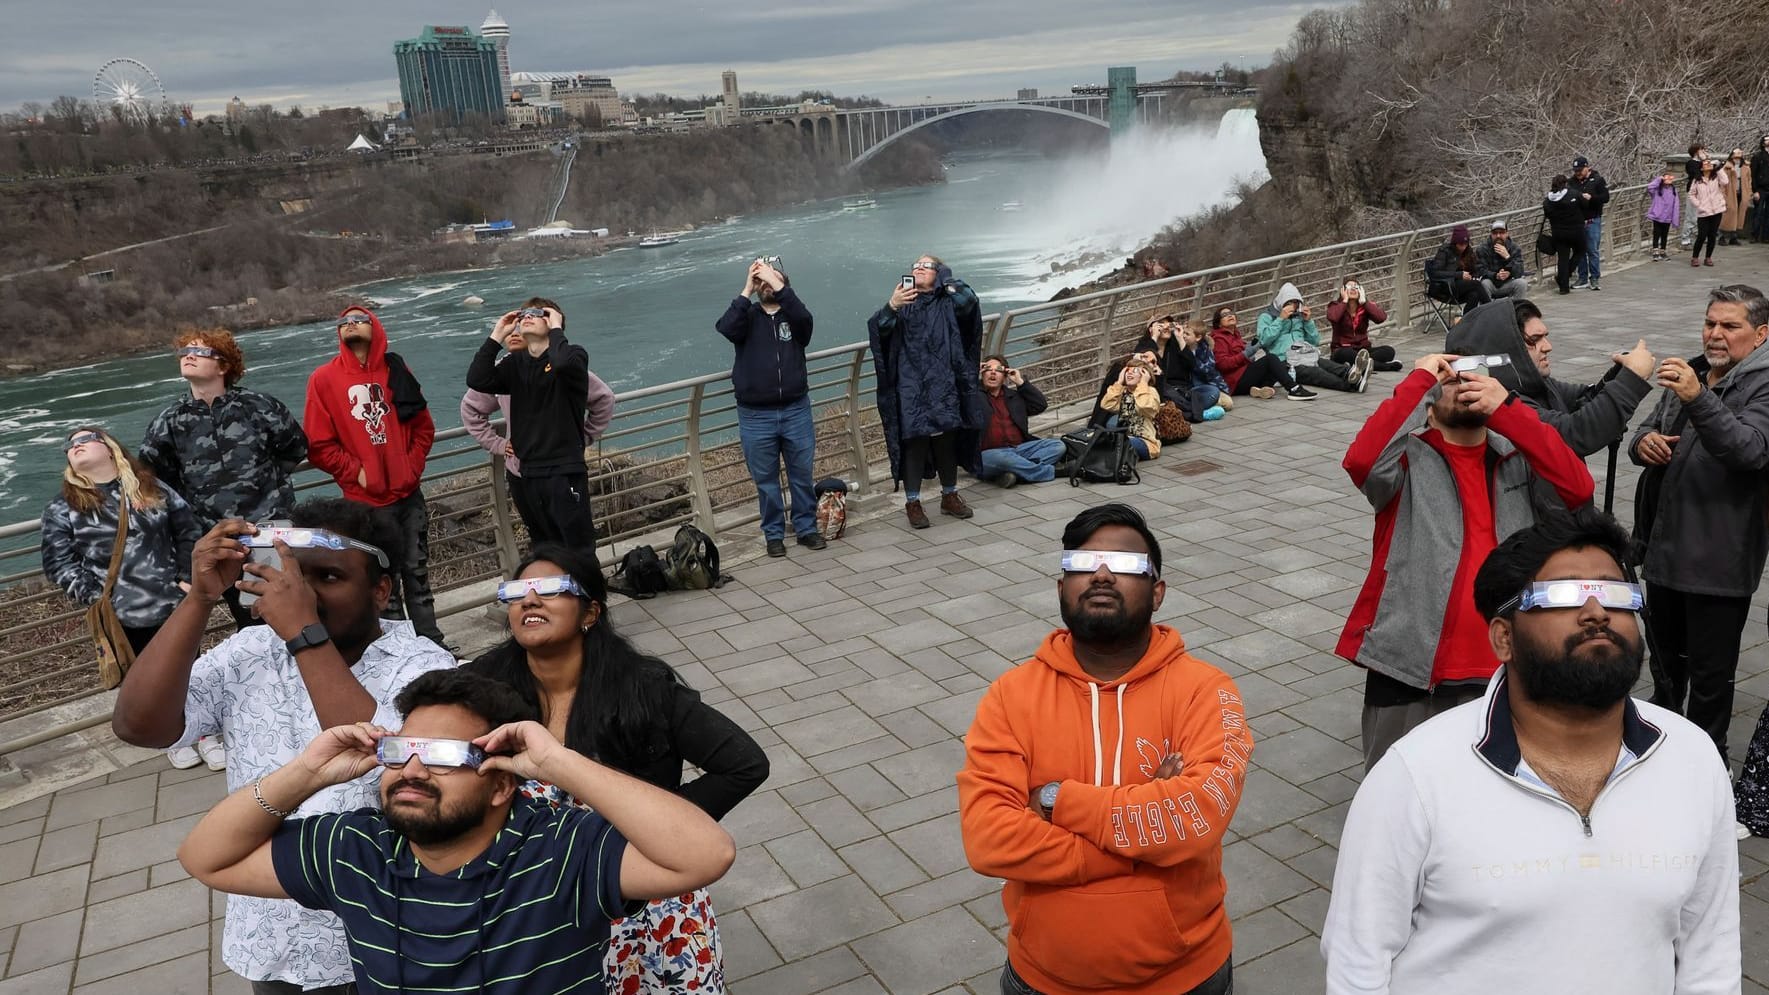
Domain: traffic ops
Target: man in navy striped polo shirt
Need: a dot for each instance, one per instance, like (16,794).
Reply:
(458,884)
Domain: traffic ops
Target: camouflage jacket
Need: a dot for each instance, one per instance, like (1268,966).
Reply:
(230,459)
(156,555)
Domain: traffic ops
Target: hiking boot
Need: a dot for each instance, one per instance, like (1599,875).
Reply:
(952,504)
(813,540)
(1008,479)
(1263,393)
(776,548)
(1300,393)
(917,517)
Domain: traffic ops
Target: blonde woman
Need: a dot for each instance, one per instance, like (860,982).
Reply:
(80,530)
(1133,399)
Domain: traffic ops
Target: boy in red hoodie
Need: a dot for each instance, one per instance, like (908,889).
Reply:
(1099,780)
(368,426)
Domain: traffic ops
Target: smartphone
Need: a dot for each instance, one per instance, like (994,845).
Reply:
(908,283)
(266,555)
(773,262)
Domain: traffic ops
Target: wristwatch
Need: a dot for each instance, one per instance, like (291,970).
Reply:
(313,635)
(1047,797)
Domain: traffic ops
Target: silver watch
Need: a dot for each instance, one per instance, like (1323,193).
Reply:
(1047,796)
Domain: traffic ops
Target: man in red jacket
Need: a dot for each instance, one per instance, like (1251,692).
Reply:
(369,427)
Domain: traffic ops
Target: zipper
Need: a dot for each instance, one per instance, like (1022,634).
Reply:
(1584,819)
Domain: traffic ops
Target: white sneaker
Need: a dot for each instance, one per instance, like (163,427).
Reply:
(184,758)
(1743,831)
(213,752)
(1360,370)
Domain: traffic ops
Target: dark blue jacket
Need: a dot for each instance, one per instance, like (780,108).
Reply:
(769,371)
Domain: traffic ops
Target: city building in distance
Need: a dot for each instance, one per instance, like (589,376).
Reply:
(498,30)
(576,93)
(449,72)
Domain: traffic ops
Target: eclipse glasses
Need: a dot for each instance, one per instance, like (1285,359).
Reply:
(547,587)
(1089,560)
(437,754)
(298,538)
(1612,594)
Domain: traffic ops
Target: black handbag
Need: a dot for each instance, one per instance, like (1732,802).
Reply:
(1544,241)
(1101,455)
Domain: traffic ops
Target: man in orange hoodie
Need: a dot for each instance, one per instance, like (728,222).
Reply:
(1099,780)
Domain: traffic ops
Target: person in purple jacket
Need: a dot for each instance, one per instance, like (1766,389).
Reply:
(1664,210)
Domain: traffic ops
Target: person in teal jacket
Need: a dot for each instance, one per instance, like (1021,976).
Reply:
(1288,323)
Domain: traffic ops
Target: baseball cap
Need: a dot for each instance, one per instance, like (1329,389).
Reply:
(1499,225)
(1580,163)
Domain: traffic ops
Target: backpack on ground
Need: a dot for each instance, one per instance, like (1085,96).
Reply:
(1102,456)
(832,514)
(640,574)
(693,561)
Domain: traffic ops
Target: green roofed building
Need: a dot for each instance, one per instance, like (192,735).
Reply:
(450,72)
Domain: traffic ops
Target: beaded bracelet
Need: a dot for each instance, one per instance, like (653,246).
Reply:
(264,804)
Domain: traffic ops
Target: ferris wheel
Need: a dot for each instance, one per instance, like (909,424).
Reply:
(130,89)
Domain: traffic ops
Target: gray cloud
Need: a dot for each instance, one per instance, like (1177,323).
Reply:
(329,52)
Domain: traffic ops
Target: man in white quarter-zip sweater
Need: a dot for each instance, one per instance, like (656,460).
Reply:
(1557,835)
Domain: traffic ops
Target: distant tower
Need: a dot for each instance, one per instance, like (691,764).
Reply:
(733,101)
(498,30)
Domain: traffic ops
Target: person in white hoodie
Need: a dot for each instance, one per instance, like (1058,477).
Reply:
(1556,836)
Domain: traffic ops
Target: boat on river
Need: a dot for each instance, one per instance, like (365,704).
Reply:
(863,204)
(658,240)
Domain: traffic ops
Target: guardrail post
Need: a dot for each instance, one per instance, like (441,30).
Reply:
(508,556)
(1198,297)
(1105,339)
(998,334)
(1403,283)
(856,436)
(703,499)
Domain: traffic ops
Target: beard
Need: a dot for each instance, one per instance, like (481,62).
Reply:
(432,823)
(1460,417)
(1581,674)
(1106,625)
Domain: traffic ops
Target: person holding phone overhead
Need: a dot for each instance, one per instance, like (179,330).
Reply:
(927,344)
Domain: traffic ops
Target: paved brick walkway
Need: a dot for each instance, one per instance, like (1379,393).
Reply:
(858,669)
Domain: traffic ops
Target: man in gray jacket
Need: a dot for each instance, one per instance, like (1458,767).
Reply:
(1700,506)
(1588,416)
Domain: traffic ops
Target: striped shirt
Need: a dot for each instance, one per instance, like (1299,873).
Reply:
(529,915)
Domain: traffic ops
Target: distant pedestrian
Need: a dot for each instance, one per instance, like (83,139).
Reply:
(927,346)
(1262,376)
(1352,314)
(548,383)
(369,426)
(1456,274)
(229,450)
(1707,201)
(1100,779)
(1739,180)
(773,390)
(1664,209)
(1698,154)
(1566,223)
(1760,191)
(1591,192)
(1506,273)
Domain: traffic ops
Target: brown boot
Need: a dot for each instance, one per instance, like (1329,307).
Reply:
(917,517)
(952,504)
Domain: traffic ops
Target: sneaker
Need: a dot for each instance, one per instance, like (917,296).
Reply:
(813,540)
(1360,370)
(1226,403)
(917,517)
(184,758)
(1300,393)
(1214,413)
(952,504)
(1741,830)
(776,548)
(1582,285)
(1594,285)
(1392,366)
(1008,479)
(213,752)
(1263,393)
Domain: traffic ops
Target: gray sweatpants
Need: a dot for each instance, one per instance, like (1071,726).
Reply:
(1384,725)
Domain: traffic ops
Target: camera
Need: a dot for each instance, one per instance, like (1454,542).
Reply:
(773,263)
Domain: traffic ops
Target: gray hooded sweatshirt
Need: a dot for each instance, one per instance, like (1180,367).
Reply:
(1588,417)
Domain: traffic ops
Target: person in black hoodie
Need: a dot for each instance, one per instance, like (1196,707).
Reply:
(774,401)
(1566,223)
(549,385)
(1591,191)
(1759,225)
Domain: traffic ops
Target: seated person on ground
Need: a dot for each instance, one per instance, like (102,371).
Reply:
(1011,453)
(1134,404)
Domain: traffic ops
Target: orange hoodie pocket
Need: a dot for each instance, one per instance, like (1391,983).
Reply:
(1099,939)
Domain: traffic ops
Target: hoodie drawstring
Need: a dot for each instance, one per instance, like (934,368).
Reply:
(1118,757)
(1099,752)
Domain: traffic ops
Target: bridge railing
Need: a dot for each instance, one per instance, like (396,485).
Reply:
(671,455)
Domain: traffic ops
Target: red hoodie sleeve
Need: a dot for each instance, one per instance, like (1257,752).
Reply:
(324,449)
(1171,820)
(420,434)
(1375,457)
(1003,837)
(1548,454)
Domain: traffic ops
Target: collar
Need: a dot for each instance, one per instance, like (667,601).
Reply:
(403,861)
(1498,736)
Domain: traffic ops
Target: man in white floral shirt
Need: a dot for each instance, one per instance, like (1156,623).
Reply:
(325,658)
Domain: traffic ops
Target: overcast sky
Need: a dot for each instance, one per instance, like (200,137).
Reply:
(339,52)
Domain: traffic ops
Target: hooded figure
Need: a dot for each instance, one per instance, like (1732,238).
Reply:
(1588,416)
(366,421)
(1277,333)
(925,358)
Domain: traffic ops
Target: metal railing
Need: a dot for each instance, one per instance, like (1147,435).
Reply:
(671,455)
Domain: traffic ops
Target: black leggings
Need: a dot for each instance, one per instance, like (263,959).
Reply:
(1378,354)
(915,458)
(1266,371)
(1661,234)
(1706,229)
(1567,251)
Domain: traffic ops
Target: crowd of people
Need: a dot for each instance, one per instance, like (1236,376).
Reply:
(547,836)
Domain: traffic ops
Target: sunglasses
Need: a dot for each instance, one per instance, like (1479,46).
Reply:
(199,351)
(1090,560)
(354,319)
(80,440)
(531,312)
(297,538)
(1613,594)
(924,266)
(440,755)
(547,587)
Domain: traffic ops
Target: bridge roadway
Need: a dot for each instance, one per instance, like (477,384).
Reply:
(858,669)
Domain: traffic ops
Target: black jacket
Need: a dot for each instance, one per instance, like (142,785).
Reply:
(548,395)
(1446,266)
(1760,172)
(1597,187)
(1022,403)
(1490,261)
(1565,218)
(769,371)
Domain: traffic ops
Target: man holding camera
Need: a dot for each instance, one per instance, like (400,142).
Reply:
(1452,464)
(1505,272)
(1011,453)
(773,391)
(548,383)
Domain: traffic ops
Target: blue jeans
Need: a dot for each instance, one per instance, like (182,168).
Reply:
(770,436)
(1033,461)
(1589,265)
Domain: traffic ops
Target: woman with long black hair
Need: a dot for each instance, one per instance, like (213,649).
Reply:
(605,699)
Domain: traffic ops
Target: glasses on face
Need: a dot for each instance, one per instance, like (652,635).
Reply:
(924,266)
(353,319)
(439,755)
(199,351)
(1478,364)
(298,538)
(547,587)
(1612,594)
(531,312)
(80,440)
(1087,561)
